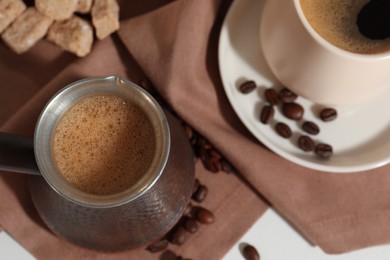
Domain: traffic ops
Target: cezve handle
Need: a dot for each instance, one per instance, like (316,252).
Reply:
(17,154)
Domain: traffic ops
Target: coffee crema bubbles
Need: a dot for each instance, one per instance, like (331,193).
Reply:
(351,25)
(103,144)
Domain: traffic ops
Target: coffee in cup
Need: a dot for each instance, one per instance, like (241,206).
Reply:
(345,23)
(103,144)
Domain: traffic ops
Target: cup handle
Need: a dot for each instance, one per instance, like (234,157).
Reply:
(17,154)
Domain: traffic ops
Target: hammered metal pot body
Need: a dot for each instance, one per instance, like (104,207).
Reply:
(128,225)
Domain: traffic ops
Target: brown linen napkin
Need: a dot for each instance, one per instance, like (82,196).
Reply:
(176,46)
(17,213)
(177,50)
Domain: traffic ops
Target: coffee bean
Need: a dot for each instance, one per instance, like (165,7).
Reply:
(190,225)
(306,143)
(283,130)
(293,111)
(250,253)
(287,96)
(267,114)
(271,96)
(310,128)
(323,150)
(179,235)
(204,216)
(328,114)
(200,193)
(247,86)
(158,246)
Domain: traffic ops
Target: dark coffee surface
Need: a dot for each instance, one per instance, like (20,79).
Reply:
(374,19)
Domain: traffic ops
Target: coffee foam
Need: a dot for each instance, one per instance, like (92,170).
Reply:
(335,21)
(103,144)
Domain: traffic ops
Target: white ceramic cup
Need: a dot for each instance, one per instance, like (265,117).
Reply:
(313,68)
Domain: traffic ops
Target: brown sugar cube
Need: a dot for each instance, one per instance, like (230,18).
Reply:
(26,30)
(56,9)
(9,10)
(74,35)
(105,17)
(84,6)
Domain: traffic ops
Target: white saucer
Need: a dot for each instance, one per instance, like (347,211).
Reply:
(360,136)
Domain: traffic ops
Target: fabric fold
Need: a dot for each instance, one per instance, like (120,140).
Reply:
(22,222)
(175,46)
(181,61)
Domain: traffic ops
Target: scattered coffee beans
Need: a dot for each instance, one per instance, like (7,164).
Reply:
(271,96)
(250,253)
(247,87)
(210,157)
(323,150)
(204,216)
(287,95)
(306,143)
(310,128)
(293,111)
(192,216)
(328,114)
(267,114)
(283,130)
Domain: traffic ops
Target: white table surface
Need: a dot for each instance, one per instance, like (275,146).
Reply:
(273,237)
